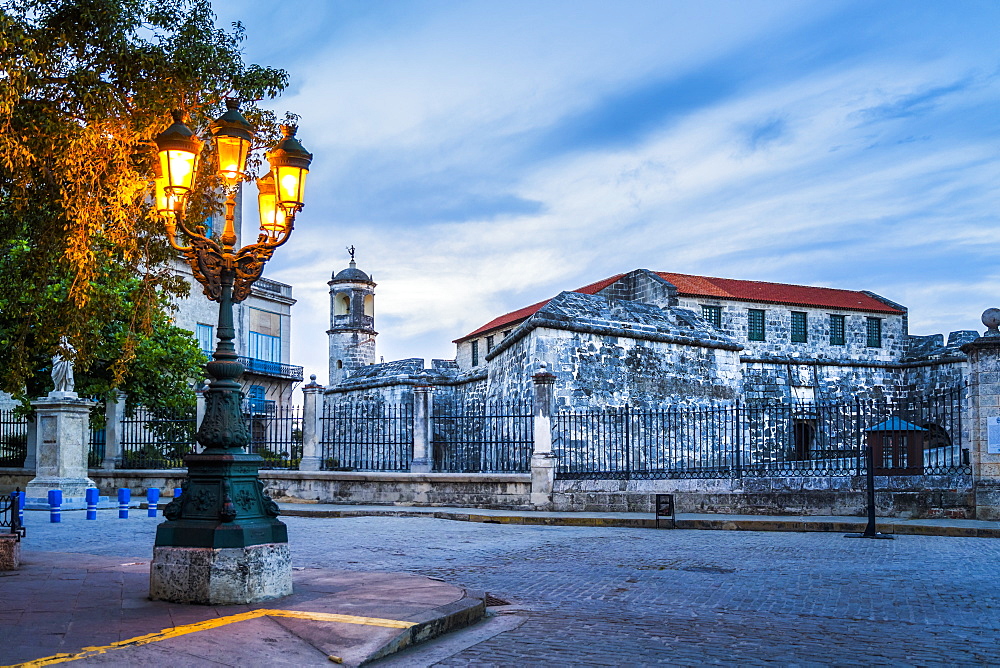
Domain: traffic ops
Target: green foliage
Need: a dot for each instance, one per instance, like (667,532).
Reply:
(86,84)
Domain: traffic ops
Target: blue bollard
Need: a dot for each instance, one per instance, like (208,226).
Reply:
(152,498)
(20,508)
(124,496)
(92,495)
(55,505)
(177,492)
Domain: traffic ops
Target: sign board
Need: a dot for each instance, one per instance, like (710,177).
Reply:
(665,508)
(993,435)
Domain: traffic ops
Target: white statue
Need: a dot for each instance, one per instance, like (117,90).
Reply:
(62,367)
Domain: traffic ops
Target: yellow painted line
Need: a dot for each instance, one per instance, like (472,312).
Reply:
(176,631)
(346,619)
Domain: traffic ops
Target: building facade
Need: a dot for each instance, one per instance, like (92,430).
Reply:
(655,339)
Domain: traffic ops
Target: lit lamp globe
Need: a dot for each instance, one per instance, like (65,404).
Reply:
(178,149)
(233,135)
(289,162)
(166,204)
(273,220)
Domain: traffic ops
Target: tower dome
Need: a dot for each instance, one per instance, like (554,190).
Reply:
(352,321)
(352,273)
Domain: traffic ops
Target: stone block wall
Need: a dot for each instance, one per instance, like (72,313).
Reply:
(923,497)
(594,370)
(509,491)
(778,326)
(643,286)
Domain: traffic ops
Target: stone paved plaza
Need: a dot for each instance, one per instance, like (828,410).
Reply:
(606,596)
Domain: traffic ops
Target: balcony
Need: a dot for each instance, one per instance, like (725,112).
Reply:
(273,288)
(272,369)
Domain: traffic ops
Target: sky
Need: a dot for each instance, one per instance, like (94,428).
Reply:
(483,156)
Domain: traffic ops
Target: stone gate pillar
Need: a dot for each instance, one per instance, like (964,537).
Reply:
(312,428)
(423,398)
(983,425)
(114,417)
(62,429)
(543,461)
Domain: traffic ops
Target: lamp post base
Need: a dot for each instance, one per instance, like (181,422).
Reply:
(220,576)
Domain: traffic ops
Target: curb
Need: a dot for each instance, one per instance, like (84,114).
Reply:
(433,623)
(705,524)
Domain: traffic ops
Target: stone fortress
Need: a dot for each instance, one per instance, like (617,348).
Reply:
(655,339)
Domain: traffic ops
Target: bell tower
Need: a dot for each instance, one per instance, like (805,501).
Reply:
(352,321)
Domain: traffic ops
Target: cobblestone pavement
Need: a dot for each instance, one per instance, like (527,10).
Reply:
(605,596)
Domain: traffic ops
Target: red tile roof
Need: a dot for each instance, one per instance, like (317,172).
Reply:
(722,288)
(775,293)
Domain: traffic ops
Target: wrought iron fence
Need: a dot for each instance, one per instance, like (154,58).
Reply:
(151,441)
(276,435)
(911,436)
(482,438)
(13,439)
(367,436)
(95,455)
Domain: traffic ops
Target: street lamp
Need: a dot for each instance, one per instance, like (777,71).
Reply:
(222,528)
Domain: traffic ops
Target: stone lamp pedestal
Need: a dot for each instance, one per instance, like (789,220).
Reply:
(63,429)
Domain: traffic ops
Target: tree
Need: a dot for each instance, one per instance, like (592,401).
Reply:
(84,86)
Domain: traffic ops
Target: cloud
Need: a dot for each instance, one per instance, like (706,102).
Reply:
(914,104)
(483,157)
(761,134)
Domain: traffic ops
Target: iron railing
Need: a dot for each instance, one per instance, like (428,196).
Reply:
(274,369)
(13,439)
(95,455)
(156,442)
(775,439)
(482,438)
(276,435)
(9,516)
(367,436)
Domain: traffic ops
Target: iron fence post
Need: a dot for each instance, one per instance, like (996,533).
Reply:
(859,430)
(627,440)
(738,441)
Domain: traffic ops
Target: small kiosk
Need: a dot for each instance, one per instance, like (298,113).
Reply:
(897,446)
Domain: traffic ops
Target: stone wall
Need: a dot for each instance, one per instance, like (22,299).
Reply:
(138,480)
(607,352)
(777,331)
(15,478)
(643,286)
(594,371)
(807,380)
(509,490)
(393,382)
(896,496)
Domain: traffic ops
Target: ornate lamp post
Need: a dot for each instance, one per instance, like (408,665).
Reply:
(221,542)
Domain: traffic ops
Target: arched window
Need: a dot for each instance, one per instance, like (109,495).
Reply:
(342,304)
(340,364)
(370,305)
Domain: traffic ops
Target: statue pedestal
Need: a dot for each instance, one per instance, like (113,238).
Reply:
(63,430)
